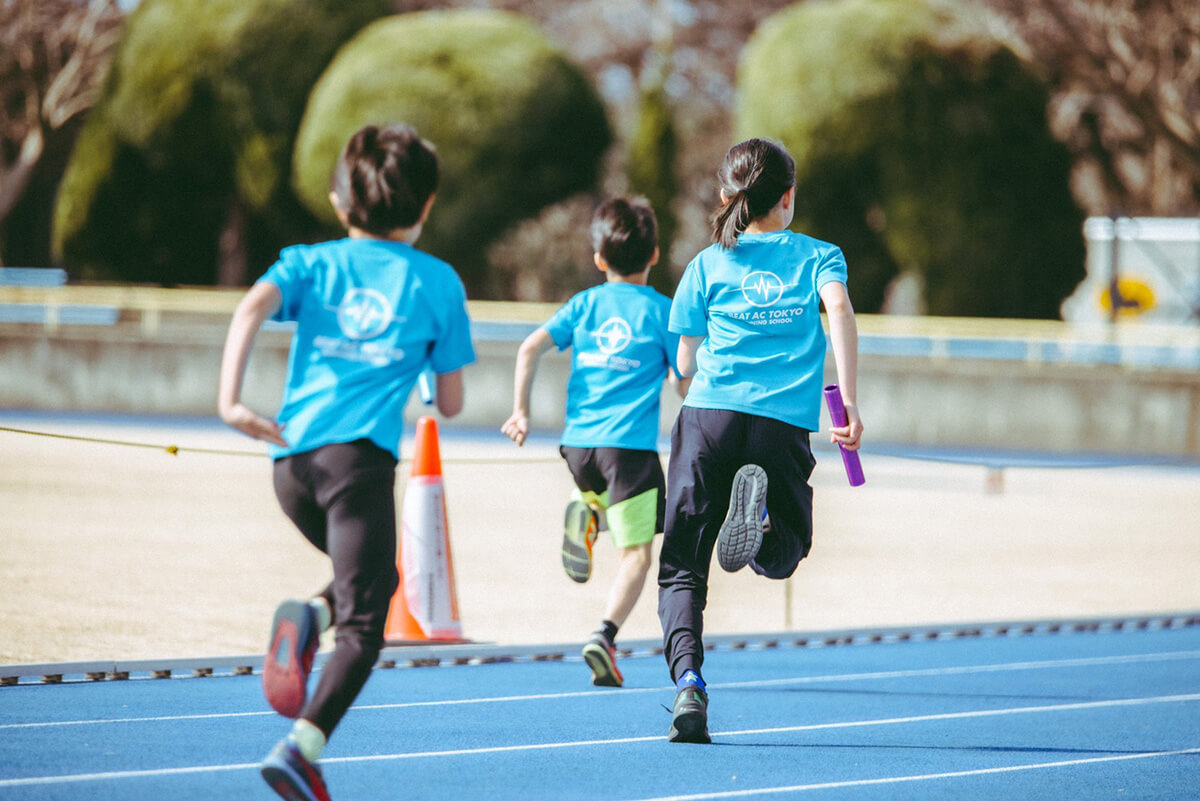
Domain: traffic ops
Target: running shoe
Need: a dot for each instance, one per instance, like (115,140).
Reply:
(689,723)
(601,657)
(580,530)
(741,534)
(291,775)
(294,641)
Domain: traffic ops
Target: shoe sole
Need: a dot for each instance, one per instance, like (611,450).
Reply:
(741,534)
(690,726)
(285,674)
(577,541)
(604,669)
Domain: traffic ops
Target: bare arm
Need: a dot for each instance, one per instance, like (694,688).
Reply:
(843,336)
(260,302)
(450,393)
(516,427)
(685,357)
(681,384)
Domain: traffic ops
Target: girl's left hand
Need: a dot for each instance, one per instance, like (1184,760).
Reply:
(848,436)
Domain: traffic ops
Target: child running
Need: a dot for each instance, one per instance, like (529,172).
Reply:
(747,309)
(622,352)
(371,313)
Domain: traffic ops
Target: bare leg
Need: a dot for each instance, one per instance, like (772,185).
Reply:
(627,587)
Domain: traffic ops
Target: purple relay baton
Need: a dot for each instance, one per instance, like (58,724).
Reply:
(837,413)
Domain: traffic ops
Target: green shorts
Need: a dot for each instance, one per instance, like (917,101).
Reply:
(627,485)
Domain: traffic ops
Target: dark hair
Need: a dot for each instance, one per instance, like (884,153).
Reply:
(384,178)
(625,234)
(754,175)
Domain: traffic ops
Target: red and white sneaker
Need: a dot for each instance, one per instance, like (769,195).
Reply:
(600,655)
(291,775)
(294,641)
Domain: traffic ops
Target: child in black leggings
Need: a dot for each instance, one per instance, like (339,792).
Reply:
(371,312)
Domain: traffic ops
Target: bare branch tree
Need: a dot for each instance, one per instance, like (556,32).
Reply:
(54,55)
(1126,75)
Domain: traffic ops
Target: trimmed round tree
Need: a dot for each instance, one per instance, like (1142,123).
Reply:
(921,145)
(652,151)
(193,136)
(517,126)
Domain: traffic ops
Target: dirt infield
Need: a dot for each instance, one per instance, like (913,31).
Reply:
(110,552)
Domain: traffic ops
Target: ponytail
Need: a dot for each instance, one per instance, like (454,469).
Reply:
(731,220)
(754,176)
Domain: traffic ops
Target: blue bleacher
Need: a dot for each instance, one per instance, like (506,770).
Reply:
(37,313)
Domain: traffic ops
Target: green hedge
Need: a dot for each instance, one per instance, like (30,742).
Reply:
(517,126)
(197,118)
(921,145)
(652,153)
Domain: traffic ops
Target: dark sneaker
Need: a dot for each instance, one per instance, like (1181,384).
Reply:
(580,530)
(741,534)
(291,775)
(600,656)
(294,641)
(690,721)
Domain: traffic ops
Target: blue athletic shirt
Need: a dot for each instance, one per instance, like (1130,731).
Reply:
(758,307)
(370,315)
(622,350)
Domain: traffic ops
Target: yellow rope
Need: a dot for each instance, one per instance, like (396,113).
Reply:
(175,450)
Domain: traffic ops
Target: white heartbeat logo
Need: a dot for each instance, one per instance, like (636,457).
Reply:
(761,288)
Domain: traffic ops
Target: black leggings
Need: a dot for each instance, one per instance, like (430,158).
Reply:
(707,448)
(342,498)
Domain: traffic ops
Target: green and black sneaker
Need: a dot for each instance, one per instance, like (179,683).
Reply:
(689,723)
(580,530)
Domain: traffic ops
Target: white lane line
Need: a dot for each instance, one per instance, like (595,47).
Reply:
(798,788)
(1164,656)
(502,749)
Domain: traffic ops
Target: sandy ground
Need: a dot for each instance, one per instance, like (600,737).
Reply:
(110,552)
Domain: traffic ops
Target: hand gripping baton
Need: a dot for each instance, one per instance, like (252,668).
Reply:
(837,413)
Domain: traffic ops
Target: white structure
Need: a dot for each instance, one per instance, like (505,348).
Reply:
(1156,263)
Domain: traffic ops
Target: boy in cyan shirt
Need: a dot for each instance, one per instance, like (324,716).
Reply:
(372,312)
(622,351)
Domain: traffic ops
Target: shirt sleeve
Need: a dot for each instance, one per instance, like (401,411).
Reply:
(453,349)
(561,326)
(689,308)
(290,274)
(832,268)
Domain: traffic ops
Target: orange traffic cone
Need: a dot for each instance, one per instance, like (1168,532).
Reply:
(425,605)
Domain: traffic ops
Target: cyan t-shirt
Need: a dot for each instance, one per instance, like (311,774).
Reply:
(758,307)
(622,351)
(370,315)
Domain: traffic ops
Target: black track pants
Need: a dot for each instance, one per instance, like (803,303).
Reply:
(707,448)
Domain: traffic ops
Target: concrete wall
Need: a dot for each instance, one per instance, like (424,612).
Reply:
(934,401)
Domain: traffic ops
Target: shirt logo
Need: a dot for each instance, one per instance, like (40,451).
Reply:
(761,288)
(613,335)
(364,313)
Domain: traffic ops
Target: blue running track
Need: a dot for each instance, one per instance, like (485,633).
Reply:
(1091,712)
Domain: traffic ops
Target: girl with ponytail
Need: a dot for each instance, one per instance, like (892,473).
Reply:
(372,313)
(748,314)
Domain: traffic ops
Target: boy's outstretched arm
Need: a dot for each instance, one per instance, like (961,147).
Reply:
(843,336)
(260,302)
(516,427)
